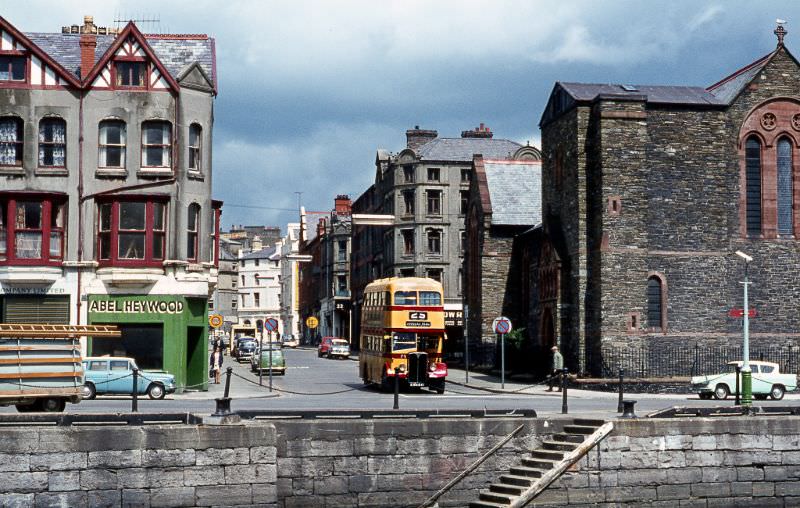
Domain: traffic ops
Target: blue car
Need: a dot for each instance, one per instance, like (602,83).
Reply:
(113,375)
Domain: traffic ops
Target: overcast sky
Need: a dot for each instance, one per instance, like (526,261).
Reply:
(309,90)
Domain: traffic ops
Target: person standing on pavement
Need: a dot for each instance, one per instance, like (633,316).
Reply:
(558,366)
(216,363)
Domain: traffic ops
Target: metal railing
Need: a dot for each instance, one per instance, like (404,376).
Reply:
(683,361)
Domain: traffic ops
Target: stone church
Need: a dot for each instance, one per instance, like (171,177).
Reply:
(647,192)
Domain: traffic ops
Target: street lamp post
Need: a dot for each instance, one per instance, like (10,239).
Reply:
(747,377)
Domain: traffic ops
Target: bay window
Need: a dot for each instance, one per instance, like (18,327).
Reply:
(31,229)
(131,232)
(111,144)
(52,143)
(156,144)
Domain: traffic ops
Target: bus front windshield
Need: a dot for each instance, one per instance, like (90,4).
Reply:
(402,341)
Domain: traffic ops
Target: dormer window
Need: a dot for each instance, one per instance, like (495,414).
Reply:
(12,68)
(131,74)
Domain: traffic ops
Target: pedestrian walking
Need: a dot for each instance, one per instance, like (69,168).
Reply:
(216,364)
(558,366)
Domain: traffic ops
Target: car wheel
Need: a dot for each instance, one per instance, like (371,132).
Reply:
(721,392)
(777,392)
(155,391)
(51,405)
(88,391)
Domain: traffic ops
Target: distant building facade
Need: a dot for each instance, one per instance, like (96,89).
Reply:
(259,286)
(289,280)
(426,188)
(335,306)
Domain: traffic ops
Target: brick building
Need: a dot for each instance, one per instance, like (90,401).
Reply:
(505,201)
(647,193)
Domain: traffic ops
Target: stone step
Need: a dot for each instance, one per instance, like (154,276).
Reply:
(522,481)
(569,438)
(558,445)
(486,504)
(529,472)
(495,497)
(553,455)
(543,464)
(506,488)
(587,422)
(579,429)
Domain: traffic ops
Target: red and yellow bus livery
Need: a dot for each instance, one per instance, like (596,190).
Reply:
(402,333)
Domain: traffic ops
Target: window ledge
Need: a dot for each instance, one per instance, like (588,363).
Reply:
(154,173)
(196,175)
(130,276)
(38,275)
(111,173)
(6,171)
(51,172)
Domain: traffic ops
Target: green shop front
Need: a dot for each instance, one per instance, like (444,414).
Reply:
(158,331)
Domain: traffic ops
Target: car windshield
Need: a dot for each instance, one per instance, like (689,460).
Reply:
(276,353)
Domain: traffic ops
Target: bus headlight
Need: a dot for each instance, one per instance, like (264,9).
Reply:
(401,368)
(432,367)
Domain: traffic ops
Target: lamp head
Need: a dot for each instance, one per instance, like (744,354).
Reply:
(744,256)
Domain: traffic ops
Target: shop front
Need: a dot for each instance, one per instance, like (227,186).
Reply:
(158,331)
(34,305)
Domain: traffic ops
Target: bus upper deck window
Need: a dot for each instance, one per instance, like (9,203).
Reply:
(405,297)
(404,341)
(430,298)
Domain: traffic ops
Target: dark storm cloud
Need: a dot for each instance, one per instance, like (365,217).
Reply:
(310,89)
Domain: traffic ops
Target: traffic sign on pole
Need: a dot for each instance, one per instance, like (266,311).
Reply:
(215,320)
(271,324)
(501,325)
(312,322)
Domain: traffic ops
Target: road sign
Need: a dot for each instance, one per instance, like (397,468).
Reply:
(501,325)
(740,313)
(271,324)
(215,320)
(312,322)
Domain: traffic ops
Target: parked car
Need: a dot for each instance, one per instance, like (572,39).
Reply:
(113,375)
(261,360)
(290,341)
(245,348)
(767,381)
(324,346)
(339,348)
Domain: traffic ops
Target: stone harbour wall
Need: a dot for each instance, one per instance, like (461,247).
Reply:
(704,462)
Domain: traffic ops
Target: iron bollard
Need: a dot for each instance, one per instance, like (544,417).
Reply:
(628,412)
(619,404)
(224,404)
(135,400)
(396,391)
(736,397)
(564,409)
(228,372)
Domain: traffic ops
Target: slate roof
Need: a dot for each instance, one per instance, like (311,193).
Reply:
(656,94)
(728,88)
(462,149)
(515,191)
(265,253)
(176,52)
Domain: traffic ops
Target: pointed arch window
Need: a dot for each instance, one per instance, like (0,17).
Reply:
(655,303)
(785,190)
(752,155)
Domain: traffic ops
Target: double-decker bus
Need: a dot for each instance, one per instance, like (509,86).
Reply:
(402,333)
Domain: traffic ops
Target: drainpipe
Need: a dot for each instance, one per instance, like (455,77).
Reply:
(80,205)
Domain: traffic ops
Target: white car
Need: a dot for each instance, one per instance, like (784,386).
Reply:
(767,381)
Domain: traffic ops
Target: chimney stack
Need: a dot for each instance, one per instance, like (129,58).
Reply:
(257,245)
(417,137)
(88,44)
(479,132)
(342,205)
